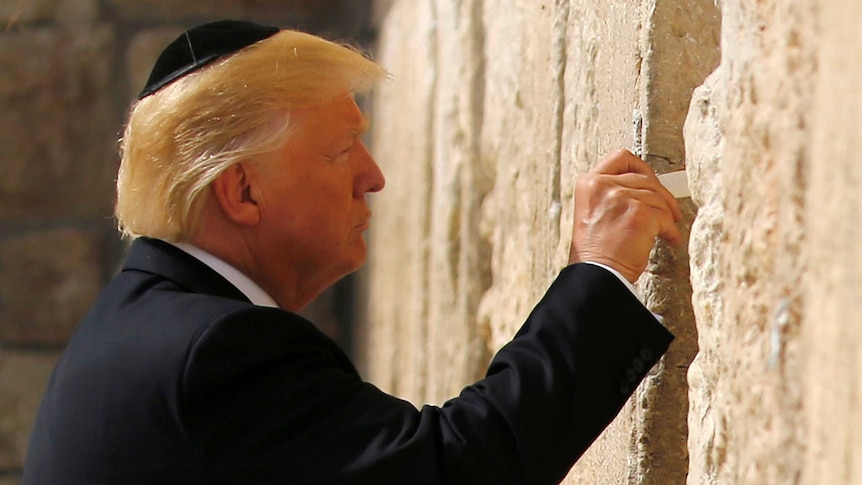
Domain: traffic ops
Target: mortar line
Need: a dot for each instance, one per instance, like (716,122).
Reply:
(428,163)
(559,55)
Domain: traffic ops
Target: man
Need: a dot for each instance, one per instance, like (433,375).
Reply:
(243,180)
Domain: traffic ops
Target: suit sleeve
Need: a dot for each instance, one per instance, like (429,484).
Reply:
(266,402)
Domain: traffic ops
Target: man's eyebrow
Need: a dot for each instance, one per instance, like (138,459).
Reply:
(364,125)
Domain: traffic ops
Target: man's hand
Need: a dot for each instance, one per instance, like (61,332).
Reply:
(620,208)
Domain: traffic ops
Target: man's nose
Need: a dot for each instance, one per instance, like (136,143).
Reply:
(370,178)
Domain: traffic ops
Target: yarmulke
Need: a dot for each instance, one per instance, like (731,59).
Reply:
(200,46)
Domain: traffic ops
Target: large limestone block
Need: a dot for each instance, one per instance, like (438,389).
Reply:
(57,128)
(548,89)
(833,373)
(47,283)
(704,141)
(20,13)
(399,246)
(520,148)
(680,42)
(680,48)
(603,59)
(458,270)
(748,383)
(13,12)
(631,71)
(23,377)
(168,9)
(425,243)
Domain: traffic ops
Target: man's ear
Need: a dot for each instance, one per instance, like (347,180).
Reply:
(234,191)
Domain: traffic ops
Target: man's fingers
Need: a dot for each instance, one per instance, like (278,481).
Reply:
(636,173)
(622,161)
(647,182)
(668,229)
(659,211)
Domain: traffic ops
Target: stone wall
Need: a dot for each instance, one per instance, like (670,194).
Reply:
(495,109)
(775,248)
(68,71)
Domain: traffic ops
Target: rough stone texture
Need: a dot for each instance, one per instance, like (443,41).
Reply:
(57,128)
(602,93)
(521,150)
(680,48)
(703,153)
(330,18)
(23,377)
(390,345)
(775,249)
(167,9)
(747,385)
(48,280)
(833,289)
(435,205)
(549,87)
(13,12)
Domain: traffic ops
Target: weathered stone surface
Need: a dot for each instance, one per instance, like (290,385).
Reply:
(765,75)
(398,326)
(549,88)
(458,263)
(833,286)
(75,13)
(343,18)
(168,9)
(57,128)
(47,282)
(629,87)
(680,48)
(602,92)
(14,13)
(521,153)
(23,377)
(17,14)
(703,154)
(441,260)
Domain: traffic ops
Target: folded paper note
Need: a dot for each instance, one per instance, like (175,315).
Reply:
(676,183)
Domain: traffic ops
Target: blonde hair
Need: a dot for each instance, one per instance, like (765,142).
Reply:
(179,139)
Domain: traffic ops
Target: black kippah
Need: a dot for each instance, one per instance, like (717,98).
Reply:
(200,46)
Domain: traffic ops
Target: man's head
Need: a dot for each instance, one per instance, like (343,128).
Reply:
(236,108)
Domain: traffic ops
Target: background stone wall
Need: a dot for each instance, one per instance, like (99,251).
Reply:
(497,107)
(68,72)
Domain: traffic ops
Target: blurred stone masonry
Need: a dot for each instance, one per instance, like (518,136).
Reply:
(508,103)
(500,105)
(68,72)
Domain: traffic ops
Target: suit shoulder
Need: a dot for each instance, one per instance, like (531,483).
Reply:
(250,342)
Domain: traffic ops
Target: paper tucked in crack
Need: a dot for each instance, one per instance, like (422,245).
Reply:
(676,183)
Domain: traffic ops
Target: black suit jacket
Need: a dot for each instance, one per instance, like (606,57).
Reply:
(175,378)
